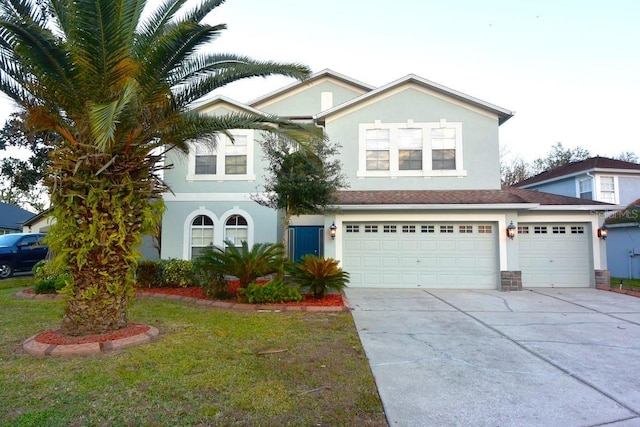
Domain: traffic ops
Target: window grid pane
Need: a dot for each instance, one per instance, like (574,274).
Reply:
(390,229)
(428,229)
(206,164)
(485,229)
(408,228)
(446,229)
(410,159)
(235,165)
(353,228)
(465,229)
(443,159)
(377,160)
(370,228)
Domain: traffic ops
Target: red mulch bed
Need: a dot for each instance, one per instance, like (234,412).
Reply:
(54,336)
(329,300)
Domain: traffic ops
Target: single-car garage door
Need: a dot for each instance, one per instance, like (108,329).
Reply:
(554,255)
(421,255)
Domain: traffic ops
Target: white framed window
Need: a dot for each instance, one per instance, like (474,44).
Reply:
(235,159)
(353,228)
(377,149)
(585,188)
(201,235)
(228,161)
(236,229)
(410,149)
(607,189)
(443,148)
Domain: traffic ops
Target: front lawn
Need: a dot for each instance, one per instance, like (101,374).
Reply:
(205,369)
(626,283)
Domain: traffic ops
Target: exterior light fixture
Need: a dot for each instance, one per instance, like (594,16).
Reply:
(603,231)
(332,230)
(511,230)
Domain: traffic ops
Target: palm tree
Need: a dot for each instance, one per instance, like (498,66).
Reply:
(116,84)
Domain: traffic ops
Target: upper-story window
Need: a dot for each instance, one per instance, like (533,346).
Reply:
(443,146)
(607,189)
(585,188)
(228,160)
(411,149)
(377,144)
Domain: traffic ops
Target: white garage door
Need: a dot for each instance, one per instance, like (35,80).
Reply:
(421,255)
(554,255)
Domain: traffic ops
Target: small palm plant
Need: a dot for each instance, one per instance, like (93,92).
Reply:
(319,274)
(247,264)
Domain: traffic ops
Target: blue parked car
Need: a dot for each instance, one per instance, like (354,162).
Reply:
(20,252)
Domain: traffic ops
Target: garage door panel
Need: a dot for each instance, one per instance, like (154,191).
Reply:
(560,259)
(435,258)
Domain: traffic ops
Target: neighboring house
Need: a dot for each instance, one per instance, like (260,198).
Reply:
(12,217)
(424,208)
(39,223)
(597,178)
(605,180)
(623,241)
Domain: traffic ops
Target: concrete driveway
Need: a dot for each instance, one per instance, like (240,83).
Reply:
(544,357)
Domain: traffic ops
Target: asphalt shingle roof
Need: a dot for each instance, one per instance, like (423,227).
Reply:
(628,215)
(508,195)
(576,167)
(12,216)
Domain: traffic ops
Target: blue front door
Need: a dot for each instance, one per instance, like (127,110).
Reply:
(305,239)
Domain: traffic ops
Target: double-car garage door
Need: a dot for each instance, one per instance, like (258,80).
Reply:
(428,255)
(462,255)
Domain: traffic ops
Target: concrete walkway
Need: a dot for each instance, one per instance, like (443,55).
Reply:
(545,357)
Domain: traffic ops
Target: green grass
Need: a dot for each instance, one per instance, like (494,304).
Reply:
(203,370)
(626,283)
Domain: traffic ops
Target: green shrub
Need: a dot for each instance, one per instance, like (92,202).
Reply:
(319,274)
(48,279)
(247,264)
(149,274)
(178,273)
(271,292)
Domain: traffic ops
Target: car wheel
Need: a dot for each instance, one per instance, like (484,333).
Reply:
(5,269)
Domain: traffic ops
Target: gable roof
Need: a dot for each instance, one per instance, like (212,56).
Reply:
(12,216)
(628,215)
(592,164)
(312,78)
(508,197)
(502,113)
(221,99)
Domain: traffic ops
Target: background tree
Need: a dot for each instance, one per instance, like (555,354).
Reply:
(514,171)
(559,156)
(116,85)
(628,156)
(300,182)
(22,181)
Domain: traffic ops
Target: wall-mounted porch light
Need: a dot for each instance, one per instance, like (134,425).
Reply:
(511,230)
(603,231)
(332,230)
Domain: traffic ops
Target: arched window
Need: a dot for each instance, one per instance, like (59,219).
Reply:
(201,234)
(236,229)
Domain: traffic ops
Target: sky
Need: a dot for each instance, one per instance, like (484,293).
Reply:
(568,68)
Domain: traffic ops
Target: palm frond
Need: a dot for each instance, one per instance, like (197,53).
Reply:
(105,117)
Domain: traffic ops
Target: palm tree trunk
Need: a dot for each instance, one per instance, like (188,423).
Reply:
(100,220)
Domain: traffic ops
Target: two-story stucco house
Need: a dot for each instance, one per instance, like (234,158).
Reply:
(605,180)
(424,208)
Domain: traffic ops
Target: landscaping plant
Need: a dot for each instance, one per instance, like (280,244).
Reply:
(244,263)
(115,80)
(319,274)
(271,292)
